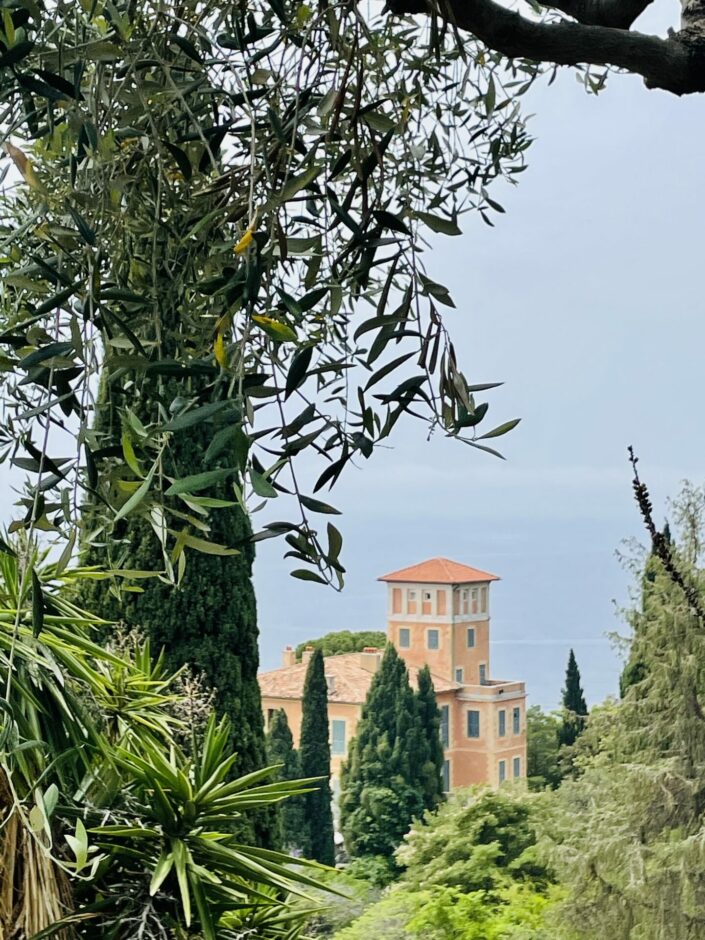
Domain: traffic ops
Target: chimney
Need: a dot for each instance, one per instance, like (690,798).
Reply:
(370,658)
(330,682)
(289,656)
(306,655)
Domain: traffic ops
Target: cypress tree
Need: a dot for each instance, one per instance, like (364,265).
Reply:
(574,705)
(382,787)
(290,830)
(430,728)
(210,619)
(314,752)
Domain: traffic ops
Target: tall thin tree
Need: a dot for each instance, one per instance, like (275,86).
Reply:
(290,831)
(430,728)
(314,751)
(574,706)
(210,619)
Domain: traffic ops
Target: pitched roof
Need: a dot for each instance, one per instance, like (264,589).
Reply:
(351,680)
(439,571)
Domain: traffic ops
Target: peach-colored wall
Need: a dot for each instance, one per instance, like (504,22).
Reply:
(348,712)
(476,760)
(418,655)
(469,658)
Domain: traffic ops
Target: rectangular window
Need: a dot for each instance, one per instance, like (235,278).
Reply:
(432,639)
(396,600)
(426,603)
(459,675)
(337,738)
(473,724)
(456,603)
(517,766)
(446,776)
(474,600)
(516,721)
(483,600)
(270,715)
(441,603)
(471,638)
(483,674)
(502,728)
(411,602)
(404,638)
(445,725)
(465,599)
(502,771)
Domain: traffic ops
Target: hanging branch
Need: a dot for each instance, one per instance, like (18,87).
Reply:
(660,545)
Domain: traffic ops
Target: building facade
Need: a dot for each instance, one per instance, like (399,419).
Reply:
(438,614)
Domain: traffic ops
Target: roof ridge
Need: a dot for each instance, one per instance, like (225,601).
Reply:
(440,570)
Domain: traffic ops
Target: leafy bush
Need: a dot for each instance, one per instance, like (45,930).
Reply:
(472,842)
(108,826)
(344,641)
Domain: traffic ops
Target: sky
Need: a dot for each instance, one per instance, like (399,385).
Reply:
(586,300)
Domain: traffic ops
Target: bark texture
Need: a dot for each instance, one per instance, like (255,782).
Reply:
(598,33)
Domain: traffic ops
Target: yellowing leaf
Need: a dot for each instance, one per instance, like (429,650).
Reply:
(274,328)
(303,15)
(25,167)
(9,27)
(244,242)
(219,350)
(36,819)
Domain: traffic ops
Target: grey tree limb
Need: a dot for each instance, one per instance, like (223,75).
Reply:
(619,14)
(676,64)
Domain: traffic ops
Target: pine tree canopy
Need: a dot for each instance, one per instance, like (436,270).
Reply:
(314,752)
(634,670)
(629,829)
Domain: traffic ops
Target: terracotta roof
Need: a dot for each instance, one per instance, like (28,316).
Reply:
(351,680)
(439,571)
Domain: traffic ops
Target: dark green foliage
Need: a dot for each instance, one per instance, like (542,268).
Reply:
(542,749)
(210,619)
(314,752)
(291,829)
(344,641)
(574,706)
(430,723)
(383,782)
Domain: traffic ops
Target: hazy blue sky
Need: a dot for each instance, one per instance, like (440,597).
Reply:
(587,301)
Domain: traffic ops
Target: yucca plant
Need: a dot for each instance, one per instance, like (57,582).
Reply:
(60,712)
(170,842)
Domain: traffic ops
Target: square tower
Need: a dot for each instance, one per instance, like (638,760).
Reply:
(438,614)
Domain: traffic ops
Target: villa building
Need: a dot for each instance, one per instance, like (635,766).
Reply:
(438,614)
